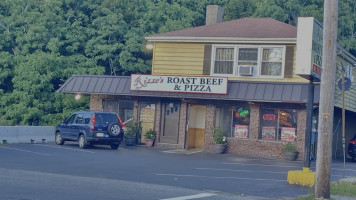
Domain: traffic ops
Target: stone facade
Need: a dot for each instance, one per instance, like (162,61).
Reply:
(96,102)
(251,146)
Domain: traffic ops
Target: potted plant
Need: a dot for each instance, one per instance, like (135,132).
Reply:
(132,129)
(290,151)
(150,136)
(219,140)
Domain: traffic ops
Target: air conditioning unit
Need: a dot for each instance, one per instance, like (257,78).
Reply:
(246,70)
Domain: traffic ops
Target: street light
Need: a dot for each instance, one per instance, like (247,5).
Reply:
(77,97)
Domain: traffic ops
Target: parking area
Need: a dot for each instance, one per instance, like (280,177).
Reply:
(231,174)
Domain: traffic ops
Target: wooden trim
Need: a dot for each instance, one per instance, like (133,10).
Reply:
(207,60)
(288,69)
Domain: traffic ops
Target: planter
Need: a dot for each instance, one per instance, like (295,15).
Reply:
(149,142)
(219,148)
(291,155)
(130,141)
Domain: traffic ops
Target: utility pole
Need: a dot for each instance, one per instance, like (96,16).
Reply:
(326,106)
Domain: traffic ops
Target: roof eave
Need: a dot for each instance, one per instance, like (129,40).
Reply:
(221,40)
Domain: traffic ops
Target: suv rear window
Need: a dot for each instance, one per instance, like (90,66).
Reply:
(105,119)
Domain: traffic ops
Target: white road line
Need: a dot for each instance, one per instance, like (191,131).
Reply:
(43,154)
(292,166)
(60,147)
(239,170)
(221,177)
(197,196)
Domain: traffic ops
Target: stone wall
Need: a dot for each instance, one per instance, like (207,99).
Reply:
(96,102)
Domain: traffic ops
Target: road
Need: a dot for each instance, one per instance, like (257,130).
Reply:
(49,171)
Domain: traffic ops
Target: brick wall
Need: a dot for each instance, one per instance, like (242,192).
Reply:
(96,102)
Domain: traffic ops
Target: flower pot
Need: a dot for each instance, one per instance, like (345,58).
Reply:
(291,155)
(219,148)
(149,142)
(130,141)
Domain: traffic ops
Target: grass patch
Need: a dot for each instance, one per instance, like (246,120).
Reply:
(342,189)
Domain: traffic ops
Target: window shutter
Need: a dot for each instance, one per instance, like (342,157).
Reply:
(288,69)
(207,60)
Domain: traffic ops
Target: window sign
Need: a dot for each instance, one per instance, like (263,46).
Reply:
(268,133)
(241,131)
(288,134)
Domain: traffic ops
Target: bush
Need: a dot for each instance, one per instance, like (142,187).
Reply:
(132,128)
(150,134)
(290,147)
(218,136)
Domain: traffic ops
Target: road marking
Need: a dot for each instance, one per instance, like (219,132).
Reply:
(81,150)
(239,170)
(196,196)
(43,154)
(292,166)
(222,177)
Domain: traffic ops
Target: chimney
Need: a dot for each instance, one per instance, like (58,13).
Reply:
(214,14)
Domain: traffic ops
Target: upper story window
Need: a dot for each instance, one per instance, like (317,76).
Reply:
(257,61)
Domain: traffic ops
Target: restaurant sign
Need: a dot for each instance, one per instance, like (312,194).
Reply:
(184,84)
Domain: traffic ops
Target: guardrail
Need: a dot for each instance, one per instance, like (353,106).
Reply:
(26,134)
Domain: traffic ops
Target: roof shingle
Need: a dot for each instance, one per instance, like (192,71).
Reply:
(239,28)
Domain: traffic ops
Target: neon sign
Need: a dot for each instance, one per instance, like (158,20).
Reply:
(269,116)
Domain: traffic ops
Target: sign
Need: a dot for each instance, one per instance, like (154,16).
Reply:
(309,48)
(184,84)
(288,134)
(268,133)
(241,131)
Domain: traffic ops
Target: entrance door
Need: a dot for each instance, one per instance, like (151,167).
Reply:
(196,130)
(147,118)
(170,122)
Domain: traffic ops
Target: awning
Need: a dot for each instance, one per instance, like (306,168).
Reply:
(237,90)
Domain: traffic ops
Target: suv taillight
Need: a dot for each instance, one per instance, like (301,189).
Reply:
(92,123)
(120,121)
(352,141)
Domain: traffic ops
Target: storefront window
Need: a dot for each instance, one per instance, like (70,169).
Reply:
(122,107)
(278,124)
(234,121)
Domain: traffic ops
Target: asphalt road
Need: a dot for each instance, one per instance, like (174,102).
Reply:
(49,171)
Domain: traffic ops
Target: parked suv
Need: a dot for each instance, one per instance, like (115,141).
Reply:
(352,148)
(91,127)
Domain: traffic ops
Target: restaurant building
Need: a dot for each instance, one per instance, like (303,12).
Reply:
(248,77)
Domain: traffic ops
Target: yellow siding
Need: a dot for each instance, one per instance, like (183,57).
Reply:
(350,95)
(178,59)
(187,59)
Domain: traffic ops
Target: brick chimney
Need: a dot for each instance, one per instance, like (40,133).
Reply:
(214,14)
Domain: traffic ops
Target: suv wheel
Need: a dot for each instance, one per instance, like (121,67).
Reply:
(114,129)
(82,142)
(114,146)
(58,138)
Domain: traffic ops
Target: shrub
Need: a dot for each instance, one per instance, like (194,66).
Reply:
(132,128)
(290,147)
(218,136)
(150,134)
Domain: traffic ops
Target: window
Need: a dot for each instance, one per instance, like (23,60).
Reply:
(71,119)
(79,119)
(234,121)
(224,61)
(257,61)
(278,124)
